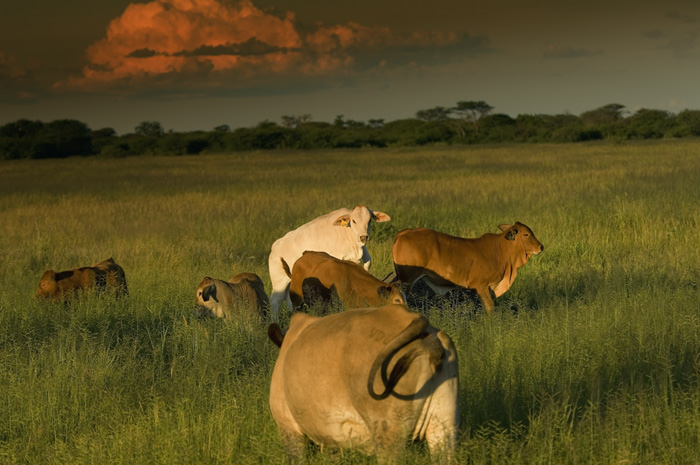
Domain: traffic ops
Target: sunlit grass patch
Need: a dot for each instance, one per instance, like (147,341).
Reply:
(591,356)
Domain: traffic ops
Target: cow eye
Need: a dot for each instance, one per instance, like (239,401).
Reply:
(354,222)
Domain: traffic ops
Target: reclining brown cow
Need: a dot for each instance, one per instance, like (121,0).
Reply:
(242,294)
(484,264)
(371,378)
(62,285)
(319,275)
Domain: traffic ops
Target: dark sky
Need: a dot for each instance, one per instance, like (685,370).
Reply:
(197,64)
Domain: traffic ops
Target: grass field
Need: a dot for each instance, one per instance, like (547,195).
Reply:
(593,356)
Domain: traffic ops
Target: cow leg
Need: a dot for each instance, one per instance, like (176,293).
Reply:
(277,296)
(437,289)
(441,433)
(406,276)
(295,445)
(486,300)
(280,286)
(297,300)
(443,409)
(366,260)
(388,440)
(288,299)
(441,439)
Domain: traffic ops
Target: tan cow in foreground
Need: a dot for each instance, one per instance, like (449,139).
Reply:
(484,264)
(242,294)
(341,233)
(318,275)
(62,285)
(372,379)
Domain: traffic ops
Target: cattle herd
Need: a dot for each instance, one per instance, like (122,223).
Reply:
(375,375)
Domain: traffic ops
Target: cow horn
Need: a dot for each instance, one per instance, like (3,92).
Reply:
(411,332)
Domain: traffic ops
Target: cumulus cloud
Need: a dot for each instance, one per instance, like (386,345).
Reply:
(227,43)
(556,52)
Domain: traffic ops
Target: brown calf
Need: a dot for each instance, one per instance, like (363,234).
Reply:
(62,285)
(317,274)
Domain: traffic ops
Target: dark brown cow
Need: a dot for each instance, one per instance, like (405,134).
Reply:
(489,262)
(318,275)
(62,285)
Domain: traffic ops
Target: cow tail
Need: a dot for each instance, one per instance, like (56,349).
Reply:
(412,332)
(285,266)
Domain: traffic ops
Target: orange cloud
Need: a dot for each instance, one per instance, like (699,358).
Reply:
(151,39)
(225,41)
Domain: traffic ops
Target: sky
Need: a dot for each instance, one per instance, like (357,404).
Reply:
(198,64)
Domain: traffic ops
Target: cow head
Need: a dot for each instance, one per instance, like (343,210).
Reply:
(48,286)
(359,220)
(206,291)
(392,293)
(523,237)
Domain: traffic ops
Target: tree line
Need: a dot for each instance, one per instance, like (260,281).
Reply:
(468,122)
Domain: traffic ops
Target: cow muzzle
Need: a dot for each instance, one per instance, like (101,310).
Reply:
(364,239)
(535,251)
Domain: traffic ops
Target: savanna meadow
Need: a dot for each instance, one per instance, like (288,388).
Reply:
(591,357)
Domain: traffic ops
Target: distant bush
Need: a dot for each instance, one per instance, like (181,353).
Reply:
(437,126)
(34,139)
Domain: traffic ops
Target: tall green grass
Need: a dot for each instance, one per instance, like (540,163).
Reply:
(593,356)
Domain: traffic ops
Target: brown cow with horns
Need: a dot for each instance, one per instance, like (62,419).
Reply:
(484,264)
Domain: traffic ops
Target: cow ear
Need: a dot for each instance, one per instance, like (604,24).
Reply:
(504,227)
(209,292)
(380,217)
(510,235)
(384,291)
(342,221)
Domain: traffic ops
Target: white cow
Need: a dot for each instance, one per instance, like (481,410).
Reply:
(341,233)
